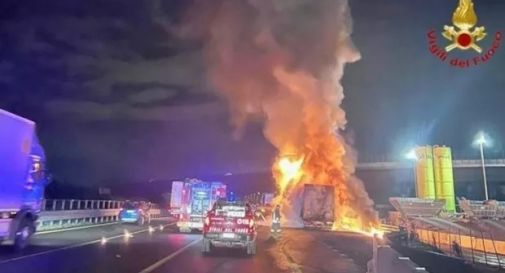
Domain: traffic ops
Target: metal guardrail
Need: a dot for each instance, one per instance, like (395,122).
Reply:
(476,247)
(490,209)
(61,214)
(389,228)
(57,204)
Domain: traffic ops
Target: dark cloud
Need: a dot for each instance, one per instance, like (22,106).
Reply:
(92,51)
(100,76)
(152,95)
(89,110)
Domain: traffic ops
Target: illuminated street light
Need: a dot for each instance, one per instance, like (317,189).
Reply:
(411,154)
(103,241)
(481,141)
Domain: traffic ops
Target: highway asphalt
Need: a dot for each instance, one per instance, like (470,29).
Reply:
(107,249)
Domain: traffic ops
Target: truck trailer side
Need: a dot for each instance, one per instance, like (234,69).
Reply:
(22,179)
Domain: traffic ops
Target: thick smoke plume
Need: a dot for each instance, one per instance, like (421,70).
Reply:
(282,61)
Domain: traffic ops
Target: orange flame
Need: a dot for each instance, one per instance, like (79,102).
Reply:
(327,159)
(289,171)
(353,224)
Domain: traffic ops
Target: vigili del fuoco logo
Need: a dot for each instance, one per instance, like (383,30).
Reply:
(463,35)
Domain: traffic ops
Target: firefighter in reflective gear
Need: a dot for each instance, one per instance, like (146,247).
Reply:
(276,219)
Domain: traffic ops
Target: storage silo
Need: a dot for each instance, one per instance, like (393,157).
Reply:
(425,182)
(444,178)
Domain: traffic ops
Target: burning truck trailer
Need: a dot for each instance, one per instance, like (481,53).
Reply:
(320,203)
(318,206)
(319,211)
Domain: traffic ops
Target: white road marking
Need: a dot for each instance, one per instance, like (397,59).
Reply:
(74,228)
(168,258)
(72,246)
(85,227)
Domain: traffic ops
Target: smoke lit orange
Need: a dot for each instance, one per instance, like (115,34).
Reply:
(272,61)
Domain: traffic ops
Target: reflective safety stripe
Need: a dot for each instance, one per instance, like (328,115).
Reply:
(213,229)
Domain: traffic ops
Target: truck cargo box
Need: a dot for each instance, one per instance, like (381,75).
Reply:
(16,136)
(176,196)
(318,205)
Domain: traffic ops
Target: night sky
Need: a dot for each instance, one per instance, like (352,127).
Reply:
(119,97)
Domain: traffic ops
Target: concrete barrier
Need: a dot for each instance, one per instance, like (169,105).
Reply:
(62,214)
(387,260)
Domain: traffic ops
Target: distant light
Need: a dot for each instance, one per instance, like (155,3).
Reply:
(481,139)
(161,227)
(151,229)
(103,241)
(228,174)
(231,197)
(411,154)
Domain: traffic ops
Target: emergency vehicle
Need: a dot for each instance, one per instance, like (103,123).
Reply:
(192,199)
(230,224)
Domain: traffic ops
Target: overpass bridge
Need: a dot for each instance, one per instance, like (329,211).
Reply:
(396,178)
(459,163)
(261,167)
(382,179)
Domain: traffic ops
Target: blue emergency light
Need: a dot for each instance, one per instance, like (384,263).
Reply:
(231,197)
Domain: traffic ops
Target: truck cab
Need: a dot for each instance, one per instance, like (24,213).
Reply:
(23,178)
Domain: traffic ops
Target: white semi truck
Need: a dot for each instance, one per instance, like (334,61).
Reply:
(22,179)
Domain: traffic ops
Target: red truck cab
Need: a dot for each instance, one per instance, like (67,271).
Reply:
(231,225)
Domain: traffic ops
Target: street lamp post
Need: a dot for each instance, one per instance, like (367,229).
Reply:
(481,140)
